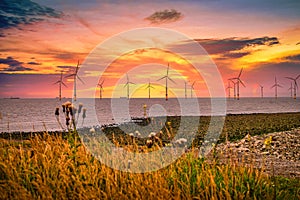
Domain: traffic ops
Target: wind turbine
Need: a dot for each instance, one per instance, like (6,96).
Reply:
(291,88)
(261,90)
(192,88)
(275,86)
(60,82)
(149,86)
(167,78)
(234,88)
(228,88)
(74,75)
(295,84)
(100,85)
(238,81)
(127,84)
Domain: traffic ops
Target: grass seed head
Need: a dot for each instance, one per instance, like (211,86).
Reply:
(80,108)
(84,113)
(57,111)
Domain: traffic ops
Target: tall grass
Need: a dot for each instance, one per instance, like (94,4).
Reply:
(53,167)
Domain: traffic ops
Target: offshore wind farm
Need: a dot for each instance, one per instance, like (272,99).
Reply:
(236,81)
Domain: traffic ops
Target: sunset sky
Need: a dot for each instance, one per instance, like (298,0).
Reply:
(41,38)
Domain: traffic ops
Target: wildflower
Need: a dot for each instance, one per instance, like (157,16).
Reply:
(84,113)
(67,111)
(57,111)
(71,109)
(80,107)
(64,108)
(149,143)
(92,130)
(248,137)
(268,141)
(67,120)
(168,145)
(169,123)
(181,141)
(131,134)
(137,133)
(152,134)
(66,105)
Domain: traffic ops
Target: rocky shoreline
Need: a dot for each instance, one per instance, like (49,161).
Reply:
(276,153)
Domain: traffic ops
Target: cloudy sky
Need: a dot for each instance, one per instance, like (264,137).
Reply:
(41,38)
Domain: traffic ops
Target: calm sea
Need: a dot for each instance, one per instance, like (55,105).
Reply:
(38,114)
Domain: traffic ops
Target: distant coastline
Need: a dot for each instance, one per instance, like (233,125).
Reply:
(12,98)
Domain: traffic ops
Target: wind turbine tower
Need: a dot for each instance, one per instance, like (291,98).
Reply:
(149,86)
(192,88)
(238,81)
(295,85)
(234,88)
(275,86)
(127,84)
(291,89)
(75,76)
(261,91)
(167,78)
(100,85)
(229,88)
(60,82)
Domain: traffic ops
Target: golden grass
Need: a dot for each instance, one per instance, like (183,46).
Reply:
(51,167)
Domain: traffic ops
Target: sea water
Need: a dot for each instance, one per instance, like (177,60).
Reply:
(38,114)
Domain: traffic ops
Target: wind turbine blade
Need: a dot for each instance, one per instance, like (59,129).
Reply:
(168,70)
(70,75)
(297,77)
(161,78)
(125,84)
(131,83)
(290,78)
(241,82)
(77,67)
(279,85)
(273,86)
(240,73)
(80,79)
(171,79)
(64,84)
(56,82)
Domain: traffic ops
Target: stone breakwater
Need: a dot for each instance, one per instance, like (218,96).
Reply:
(276,153)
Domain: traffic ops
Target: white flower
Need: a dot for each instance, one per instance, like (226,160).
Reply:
(92,130)
(181,141)
(131,134)
(149,142)
(152,134)
(137,134)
